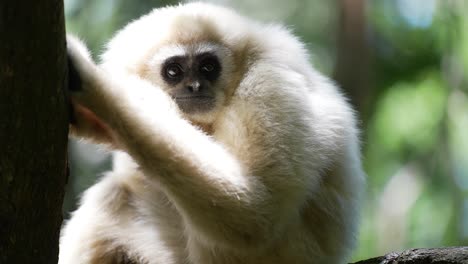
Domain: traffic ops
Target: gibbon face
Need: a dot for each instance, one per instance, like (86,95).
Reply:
(192,80)
(195,76)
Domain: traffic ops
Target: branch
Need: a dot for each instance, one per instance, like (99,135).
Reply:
(450,255)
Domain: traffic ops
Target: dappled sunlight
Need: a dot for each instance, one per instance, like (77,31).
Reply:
(395,203)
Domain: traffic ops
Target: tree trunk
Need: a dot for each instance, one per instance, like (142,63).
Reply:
(352,71)
(33,129)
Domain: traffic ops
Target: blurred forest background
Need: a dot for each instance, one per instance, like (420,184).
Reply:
(403,63)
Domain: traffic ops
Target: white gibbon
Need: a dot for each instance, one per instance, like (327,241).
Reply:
(230,147)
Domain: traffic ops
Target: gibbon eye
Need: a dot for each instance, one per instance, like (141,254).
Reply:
(207,67)
(210,68)
(174,70)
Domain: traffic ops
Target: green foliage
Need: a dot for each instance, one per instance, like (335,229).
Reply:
(409,113)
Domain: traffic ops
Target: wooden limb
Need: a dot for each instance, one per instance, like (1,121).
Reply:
(450,255)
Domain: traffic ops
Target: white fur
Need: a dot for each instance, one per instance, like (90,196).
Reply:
(278,180)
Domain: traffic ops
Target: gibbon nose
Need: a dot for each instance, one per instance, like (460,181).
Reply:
(194,87)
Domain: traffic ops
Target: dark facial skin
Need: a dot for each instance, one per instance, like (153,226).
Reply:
(192,81)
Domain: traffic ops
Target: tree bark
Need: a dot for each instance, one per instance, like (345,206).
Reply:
(451,255)
(33,129)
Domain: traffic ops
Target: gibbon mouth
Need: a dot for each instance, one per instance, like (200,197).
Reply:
(195,104)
